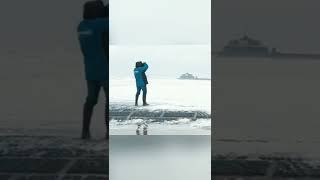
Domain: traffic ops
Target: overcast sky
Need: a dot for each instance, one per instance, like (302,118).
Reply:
(39,25)
(160,21)
(289,25)
(35,25)
(135,26)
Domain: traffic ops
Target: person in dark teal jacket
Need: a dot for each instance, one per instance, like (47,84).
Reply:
(93,34)
(141,81)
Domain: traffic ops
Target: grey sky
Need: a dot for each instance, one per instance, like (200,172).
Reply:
(138,27)
(46,25)
(160,22)
(39,25)
(290,25)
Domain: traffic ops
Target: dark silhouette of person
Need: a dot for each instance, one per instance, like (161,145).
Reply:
(141,81)
(93,35)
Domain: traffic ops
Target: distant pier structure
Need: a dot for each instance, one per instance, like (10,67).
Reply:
(188,76)
(249,47)
(245,46)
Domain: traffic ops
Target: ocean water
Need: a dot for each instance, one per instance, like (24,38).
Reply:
(267,105)
(168,61)
(165,91)
(160,157)
(163,95)
(46,91)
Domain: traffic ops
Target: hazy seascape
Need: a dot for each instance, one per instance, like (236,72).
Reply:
(267,106)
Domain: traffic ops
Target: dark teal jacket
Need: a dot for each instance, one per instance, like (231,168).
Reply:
(138,75)
(92,42)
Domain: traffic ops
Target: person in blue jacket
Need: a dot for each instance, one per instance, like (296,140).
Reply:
(93,35)
(141,81)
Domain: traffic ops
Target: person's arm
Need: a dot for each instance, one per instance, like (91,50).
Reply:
(144,67)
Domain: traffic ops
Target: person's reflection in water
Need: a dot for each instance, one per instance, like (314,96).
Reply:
(145,128)
(93,34)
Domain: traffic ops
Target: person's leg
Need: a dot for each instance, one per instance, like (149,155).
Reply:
(144,89)
(105,86)
(91,101)
(137,95)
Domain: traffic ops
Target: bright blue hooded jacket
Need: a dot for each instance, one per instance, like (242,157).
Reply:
(138,75)
(90,34)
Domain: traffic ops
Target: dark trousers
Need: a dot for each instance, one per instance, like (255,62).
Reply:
(144,97)
(94,88)
(144,90)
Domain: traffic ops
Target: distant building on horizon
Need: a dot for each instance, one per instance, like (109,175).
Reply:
(188,76)
(245,46)
(249,47)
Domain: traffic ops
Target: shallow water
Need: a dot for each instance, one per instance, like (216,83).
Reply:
(163,94)
(274,100)
(174,127)
(160,157)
